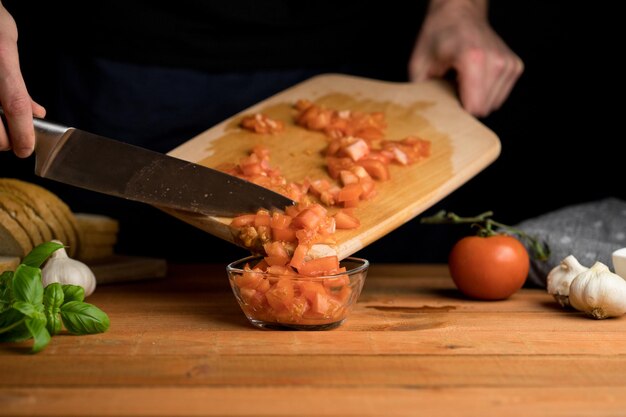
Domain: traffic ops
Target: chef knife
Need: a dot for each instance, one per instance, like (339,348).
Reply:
(82,159)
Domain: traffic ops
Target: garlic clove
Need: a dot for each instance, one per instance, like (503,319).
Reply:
(599,293)
(65,270)
(619,262)
(560,278)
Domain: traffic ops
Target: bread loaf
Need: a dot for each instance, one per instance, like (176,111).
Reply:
(48,207)
(8,263)
(13,238)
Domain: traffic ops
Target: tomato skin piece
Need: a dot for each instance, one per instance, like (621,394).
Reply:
(489,268)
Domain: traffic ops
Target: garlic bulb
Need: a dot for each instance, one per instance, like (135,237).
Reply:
(560,278)
(599,292)
(65,270)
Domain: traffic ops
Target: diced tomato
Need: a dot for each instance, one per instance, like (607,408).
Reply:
(306,236)
(360,172)
(310,289)
(328,226)
(333,147)
(350,192)
(307,219)
(302,104)
(375,168)
(262,265)
(262,219)
(280,221)
(249,279)
(319,266)
(281,294)
(263,286)
(337,282)
(369,189)
(293,311)
(254,299)
(357,150)
(343,295)
(345,221)
(284,235)
(400,156)
(277,260)
(323,306)
(347,177)
(297,260)
(278,271)
(252,169)
(260,123)
(329,197)
(336,165)
(261,151)
(292,211)
(317,208)
(275,249)
(319,186)
(244,220)
(381,155)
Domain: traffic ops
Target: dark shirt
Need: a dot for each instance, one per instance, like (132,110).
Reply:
(226,35)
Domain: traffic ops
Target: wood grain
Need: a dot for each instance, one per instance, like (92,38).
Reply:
(412,346)
(461,147)
(309,401)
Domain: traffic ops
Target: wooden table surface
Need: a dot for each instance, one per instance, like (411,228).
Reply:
(412,346)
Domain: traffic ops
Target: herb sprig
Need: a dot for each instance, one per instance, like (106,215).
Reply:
(27,310)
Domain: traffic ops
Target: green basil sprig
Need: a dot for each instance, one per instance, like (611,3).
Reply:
(27,310)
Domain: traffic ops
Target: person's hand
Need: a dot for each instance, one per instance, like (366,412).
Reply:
(17,105)
(456,35)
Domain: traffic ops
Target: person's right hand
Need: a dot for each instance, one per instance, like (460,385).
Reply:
(17,105)
(457,35)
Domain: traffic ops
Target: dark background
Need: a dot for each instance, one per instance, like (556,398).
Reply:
(560,132)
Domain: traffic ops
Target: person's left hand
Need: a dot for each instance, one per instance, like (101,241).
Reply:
(456,35)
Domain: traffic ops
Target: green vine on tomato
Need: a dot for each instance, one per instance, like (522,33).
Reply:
(485,224)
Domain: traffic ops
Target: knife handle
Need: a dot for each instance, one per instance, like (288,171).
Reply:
(47,135)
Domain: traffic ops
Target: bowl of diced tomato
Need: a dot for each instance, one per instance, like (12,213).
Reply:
(282,299)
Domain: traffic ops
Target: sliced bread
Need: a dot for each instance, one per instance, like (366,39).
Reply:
(13,238)
(8,263)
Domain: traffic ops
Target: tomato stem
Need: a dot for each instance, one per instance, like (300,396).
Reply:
(539,249)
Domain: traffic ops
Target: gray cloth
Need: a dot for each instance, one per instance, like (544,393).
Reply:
(590,232)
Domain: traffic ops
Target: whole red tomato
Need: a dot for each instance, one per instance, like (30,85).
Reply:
(489,268)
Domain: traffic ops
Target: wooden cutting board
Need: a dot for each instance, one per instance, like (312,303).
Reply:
(461,147)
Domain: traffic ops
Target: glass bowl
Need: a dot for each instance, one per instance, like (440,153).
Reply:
(283,302)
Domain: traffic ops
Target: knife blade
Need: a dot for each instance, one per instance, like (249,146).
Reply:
(86,160)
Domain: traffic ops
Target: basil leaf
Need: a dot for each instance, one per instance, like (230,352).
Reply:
(6,298)
(53,323)
(52,300)
(73,293)
(5,278)
(17,334)
(6,292)
(53,296)
(37,328)
(40,253)
(84,318)
(10,319)
(27,284)
(25,308)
